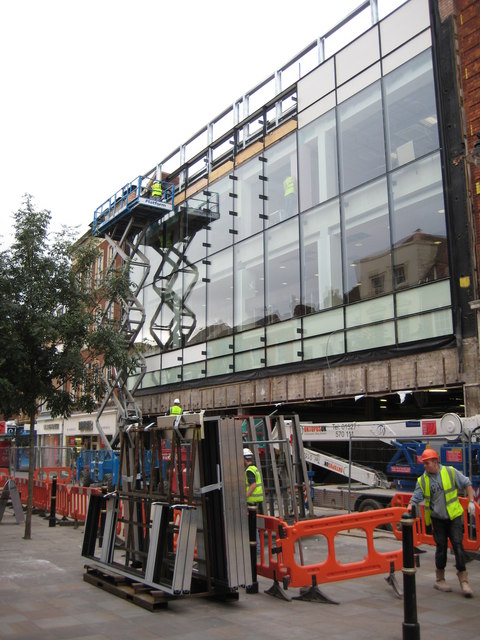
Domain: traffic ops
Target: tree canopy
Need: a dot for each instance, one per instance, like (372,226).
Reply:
(54,340)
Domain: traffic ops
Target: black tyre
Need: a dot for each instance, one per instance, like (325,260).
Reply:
(370,504)
(85,480)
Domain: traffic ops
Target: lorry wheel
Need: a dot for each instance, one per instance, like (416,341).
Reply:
(108,481)
(85,478)
(369,505)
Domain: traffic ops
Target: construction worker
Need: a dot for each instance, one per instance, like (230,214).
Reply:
(157,191)
(439,486)
(254,489)
(176,409)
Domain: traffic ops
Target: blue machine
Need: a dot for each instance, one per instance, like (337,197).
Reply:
(405,467)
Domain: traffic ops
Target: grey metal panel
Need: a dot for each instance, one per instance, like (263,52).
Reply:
(182,573)
(109,531)
(234,504)
(154,537)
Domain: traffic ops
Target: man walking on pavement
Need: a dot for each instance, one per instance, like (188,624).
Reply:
(439,487)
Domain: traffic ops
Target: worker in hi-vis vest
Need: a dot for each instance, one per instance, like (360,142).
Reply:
(157,190)
(439,487)
(176,409)
(254,490)
(289,196)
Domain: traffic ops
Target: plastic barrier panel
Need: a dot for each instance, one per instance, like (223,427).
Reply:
(79,502)
(471,540)
(281,561)
(62,507)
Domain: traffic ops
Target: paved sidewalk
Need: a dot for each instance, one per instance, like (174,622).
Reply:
(43,597)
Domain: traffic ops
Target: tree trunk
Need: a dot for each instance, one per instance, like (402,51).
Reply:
(31,467)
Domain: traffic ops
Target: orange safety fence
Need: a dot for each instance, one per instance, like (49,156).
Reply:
(62,507)
(64,474)
(471,540)
(280,562)
(79,502)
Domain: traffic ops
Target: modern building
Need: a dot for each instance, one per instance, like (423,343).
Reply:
(335,269)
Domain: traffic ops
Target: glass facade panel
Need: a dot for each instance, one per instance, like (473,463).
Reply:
(283,331)
(196,305)
(220,366)
(218,235)
(323,323)
(220,294)
(324,346)
(219,347)
(283,272)
(321,256)
(431,296)
(280,169)
(373,337)
(254,359)
(411,113)
(284,353)
(317,157)
(420,252)
(428,325)
(249,340)
(361,139)
(367,256)
(371,311)
(170,376)
(194,371)
(249,206)
(249,283)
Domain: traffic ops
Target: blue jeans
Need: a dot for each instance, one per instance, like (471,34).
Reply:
(443,531)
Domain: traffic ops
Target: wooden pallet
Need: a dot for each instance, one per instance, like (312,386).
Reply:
(126,588)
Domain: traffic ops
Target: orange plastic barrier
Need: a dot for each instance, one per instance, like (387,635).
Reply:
(64,474)
(62,507)
(282,539)
(41,495)
(79,502)
(471,539)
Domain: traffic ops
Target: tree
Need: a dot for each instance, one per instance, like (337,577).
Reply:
(52,344)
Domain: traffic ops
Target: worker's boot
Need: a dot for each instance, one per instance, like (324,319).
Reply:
(440,583)
(463,579)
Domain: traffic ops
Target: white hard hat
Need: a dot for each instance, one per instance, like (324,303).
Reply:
(247,453)
(176,401)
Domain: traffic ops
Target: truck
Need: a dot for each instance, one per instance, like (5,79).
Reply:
(455,438)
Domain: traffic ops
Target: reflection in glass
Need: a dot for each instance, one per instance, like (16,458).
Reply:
(361,139)
(218,236)
(317,157)
(283,273)
(420,251)
(220,295)
(321,257)
(196,303)
(248,204)
(412,129)
(280,169)
(249,283)
(367,260)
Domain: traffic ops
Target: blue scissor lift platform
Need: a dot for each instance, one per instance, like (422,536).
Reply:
(132,206)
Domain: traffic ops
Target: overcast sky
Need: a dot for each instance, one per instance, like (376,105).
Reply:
(98,92)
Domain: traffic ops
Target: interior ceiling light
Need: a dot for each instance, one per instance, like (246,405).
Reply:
(429,121)
(438,390)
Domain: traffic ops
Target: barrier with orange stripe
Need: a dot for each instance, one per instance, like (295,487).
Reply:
(471,541)
(280,562)
(79,502)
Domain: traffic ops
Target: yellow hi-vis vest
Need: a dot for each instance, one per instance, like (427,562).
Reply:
(157,190)
(257,494)
(288,186)
(175,410)
(454,508)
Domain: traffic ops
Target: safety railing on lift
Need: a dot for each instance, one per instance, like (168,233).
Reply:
(134,193)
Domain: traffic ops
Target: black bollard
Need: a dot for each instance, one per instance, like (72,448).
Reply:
(411,628)
(252,534)
(52,521)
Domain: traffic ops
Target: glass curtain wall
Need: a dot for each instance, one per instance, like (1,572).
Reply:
(339,247)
